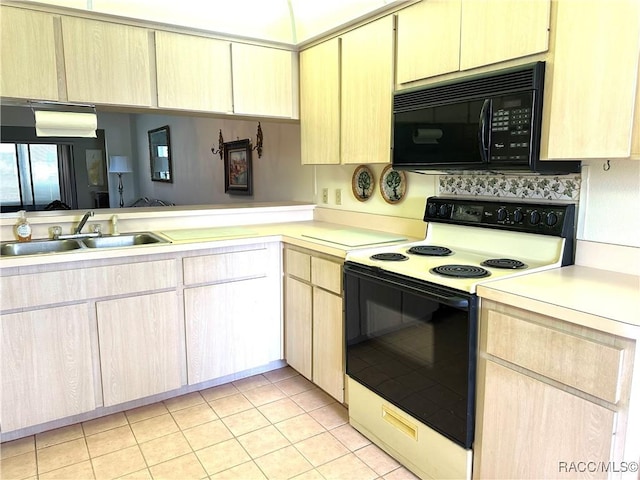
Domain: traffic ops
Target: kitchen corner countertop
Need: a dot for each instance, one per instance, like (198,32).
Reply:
(331,239)
(595,298)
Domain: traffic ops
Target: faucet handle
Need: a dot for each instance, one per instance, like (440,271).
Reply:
(56,231)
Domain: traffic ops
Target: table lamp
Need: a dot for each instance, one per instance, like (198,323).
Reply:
(119,164)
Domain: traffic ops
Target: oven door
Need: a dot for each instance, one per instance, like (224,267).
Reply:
(414,344)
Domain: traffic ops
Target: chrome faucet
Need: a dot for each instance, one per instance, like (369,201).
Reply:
(86,216)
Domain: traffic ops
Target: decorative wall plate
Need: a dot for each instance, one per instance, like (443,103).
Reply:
(393,184)
(362,183)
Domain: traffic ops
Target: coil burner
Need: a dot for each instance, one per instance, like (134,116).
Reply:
(503,263)
(430,250)
(389,257)
(460,271)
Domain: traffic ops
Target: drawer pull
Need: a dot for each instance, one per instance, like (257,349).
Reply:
(400,423)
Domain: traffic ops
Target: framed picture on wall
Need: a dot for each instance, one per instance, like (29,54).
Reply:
(238,174)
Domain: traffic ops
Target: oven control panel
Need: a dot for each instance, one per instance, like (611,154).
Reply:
(544,218)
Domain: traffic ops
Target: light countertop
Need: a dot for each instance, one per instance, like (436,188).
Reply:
(596,298)
(324,237)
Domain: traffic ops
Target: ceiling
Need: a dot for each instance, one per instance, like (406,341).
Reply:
(284,21)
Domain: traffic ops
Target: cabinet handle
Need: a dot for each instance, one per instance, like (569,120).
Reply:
(399,423)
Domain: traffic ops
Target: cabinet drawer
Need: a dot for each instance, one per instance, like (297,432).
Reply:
(226,266)
(587,365)
(421,449)
(326,274)
(297,264)
(31,290)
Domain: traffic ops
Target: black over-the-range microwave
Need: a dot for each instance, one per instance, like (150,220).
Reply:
(483,122)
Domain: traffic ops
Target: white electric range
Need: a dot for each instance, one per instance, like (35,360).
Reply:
(411,322)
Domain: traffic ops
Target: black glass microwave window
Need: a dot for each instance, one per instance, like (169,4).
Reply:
(442,135)
(413,351)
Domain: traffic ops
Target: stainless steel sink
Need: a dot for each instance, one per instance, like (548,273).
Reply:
(36,247)
(124,240)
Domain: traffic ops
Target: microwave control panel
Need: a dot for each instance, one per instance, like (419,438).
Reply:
(511,120)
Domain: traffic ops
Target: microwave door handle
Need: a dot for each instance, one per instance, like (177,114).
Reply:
(483,131)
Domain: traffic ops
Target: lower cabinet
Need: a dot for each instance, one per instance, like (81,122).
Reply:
(550,394)
(233,321)
(47,366)
(141,346)
(313,318)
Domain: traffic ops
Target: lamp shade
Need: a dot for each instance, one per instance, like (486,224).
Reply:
(119,164)
(65,124)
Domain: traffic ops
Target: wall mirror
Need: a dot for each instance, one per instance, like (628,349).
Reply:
(160,154)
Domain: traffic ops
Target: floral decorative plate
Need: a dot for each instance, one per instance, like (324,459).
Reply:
(393,184)
(362,183)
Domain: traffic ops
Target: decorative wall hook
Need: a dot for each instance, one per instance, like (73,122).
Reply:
(220,146)
(258,146)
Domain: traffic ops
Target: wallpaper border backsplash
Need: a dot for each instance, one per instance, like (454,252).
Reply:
(565,188)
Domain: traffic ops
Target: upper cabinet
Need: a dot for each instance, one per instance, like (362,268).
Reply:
(193,73)
(428,40)
(320,103)
(107,63)
(346,88)
(443,36)
(497,30)
(262,81)
(28,56)
(367,88)
(591,84)
(635,135)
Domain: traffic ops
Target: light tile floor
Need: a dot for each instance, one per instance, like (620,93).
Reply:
(277,425)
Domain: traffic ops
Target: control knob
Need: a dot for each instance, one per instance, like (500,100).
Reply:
(443,211)
(518,216)
(502,214)
(534,217)
(432,209)
(552,219)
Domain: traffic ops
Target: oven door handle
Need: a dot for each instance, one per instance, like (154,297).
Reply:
(449,300)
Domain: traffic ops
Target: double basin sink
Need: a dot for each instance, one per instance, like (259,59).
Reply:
(36,247)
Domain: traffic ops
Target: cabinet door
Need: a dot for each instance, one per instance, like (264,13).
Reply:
(106,62)
(231,327)
(28,55)
(494,30)
(367,85)
(262,80)
(194,73)
(47,366)
(328,339)
(141,346)
(590,92)
(320,103)
(635,135)
(529,428)
(428,40)
(297,325)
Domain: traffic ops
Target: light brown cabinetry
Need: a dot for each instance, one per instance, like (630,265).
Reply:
(72,341)
(635,133)
(141,346)
(542,381)
(313,318)
(493,31)
(428,40)
(47,366)
(232,311)
(346,96)
(436,37)
(591,84)
(366,97)
(194,73)
(320,103)
(262,81)
(28,55)
(106,62)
